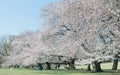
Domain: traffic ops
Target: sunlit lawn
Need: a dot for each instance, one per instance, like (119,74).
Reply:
(83,71)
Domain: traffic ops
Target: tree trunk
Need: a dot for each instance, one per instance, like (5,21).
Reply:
(115,62)
(88,68)
(97,67)
(0,66)
(48,66)
(40,66)
(57,66)
(72,64)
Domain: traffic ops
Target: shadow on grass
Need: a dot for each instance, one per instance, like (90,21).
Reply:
(80,71)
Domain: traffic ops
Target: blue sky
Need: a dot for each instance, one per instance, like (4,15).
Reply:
(17,16)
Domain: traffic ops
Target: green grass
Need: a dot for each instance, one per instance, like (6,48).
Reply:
(81,71)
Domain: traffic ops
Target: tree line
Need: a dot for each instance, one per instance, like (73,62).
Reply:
(84,31)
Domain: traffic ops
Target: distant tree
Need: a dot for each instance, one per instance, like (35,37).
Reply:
(28,50)
(5,46)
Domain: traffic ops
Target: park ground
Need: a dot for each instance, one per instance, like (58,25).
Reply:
(81,70)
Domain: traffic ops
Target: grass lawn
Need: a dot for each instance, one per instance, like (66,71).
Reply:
(106,68)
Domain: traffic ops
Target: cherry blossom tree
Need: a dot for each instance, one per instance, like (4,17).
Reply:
(87,20)
(110,31)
